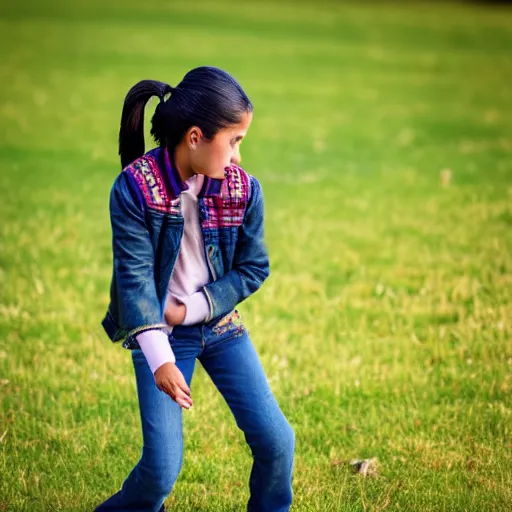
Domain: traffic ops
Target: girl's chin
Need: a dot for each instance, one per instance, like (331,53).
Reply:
(220,175)
(215,175)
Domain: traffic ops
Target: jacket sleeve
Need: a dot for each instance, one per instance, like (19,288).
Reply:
(133,257)
(250,264)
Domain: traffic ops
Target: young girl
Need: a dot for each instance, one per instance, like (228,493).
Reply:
(188,246)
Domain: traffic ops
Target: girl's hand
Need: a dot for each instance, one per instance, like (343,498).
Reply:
(170,380)
(175,312)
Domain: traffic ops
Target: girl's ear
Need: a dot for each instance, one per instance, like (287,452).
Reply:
(194,136)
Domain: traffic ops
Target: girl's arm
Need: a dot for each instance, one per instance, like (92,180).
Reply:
(133,257)
(250,265)
(156,348)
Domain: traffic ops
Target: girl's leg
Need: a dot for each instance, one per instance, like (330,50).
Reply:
(234,367)
(152,479)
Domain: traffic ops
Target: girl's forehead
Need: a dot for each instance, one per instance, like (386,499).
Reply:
(244,123)
(237,130)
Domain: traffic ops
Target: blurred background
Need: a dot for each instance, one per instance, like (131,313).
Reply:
(382,137)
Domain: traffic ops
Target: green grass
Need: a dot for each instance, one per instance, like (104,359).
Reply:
(385,327)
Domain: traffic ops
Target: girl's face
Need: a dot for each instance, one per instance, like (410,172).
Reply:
(211,157)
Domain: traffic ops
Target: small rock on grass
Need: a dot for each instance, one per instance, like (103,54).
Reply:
(365,467)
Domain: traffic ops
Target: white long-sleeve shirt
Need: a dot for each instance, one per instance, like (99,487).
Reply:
(190,274)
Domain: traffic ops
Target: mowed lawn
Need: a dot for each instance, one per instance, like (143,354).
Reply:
(382,137)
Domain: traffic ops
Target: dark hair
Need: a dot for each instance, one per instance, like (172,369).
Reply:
(207,97)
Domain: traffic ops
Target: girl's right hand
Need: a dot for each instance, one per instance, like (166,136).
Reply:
(170,380)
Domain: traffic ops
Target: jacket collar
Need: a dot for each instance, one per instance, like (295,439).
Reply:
(175,185)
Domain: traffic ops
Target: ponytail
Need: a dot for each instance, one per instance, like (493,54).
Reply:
(131,133)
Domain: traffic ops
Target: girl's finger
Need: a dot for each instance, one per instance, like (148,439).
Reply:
(181,387)
(184,398)
(184,403)
(185,389)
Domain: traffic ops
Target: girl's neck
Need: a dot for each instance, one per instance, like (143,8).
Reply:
(182,162)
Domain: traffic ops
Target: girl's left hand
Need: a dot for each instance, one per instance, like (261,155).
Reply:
(175,312)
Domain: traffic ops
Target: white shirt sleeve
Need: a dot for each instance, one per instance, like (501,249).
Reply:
(198,308)
(156,347)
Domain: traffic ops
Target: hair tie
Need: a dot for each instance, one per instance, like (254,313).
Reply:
(169,89)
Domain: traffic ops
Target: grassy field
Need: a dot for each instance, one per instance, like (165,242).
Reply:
(382,137)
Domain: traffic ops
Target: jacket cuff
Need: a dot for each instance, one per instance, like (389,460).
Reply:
(156,347)
(198,308)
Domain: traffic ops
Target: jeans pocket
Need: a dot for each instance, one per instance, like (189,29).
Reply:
(229,325)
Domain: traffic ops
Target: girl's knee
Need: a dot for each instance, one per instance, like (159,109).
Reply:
(162,484)
(289,438)
(160,477)
(274,442)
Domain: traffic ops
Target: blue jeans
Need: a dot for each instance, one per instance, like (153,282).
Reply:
(229,358)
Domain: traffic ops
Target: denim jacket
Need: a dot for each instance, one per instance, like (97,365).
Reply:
(147,227)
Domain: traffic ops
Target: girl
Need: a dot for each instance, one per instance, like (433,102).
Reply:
(188,246)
